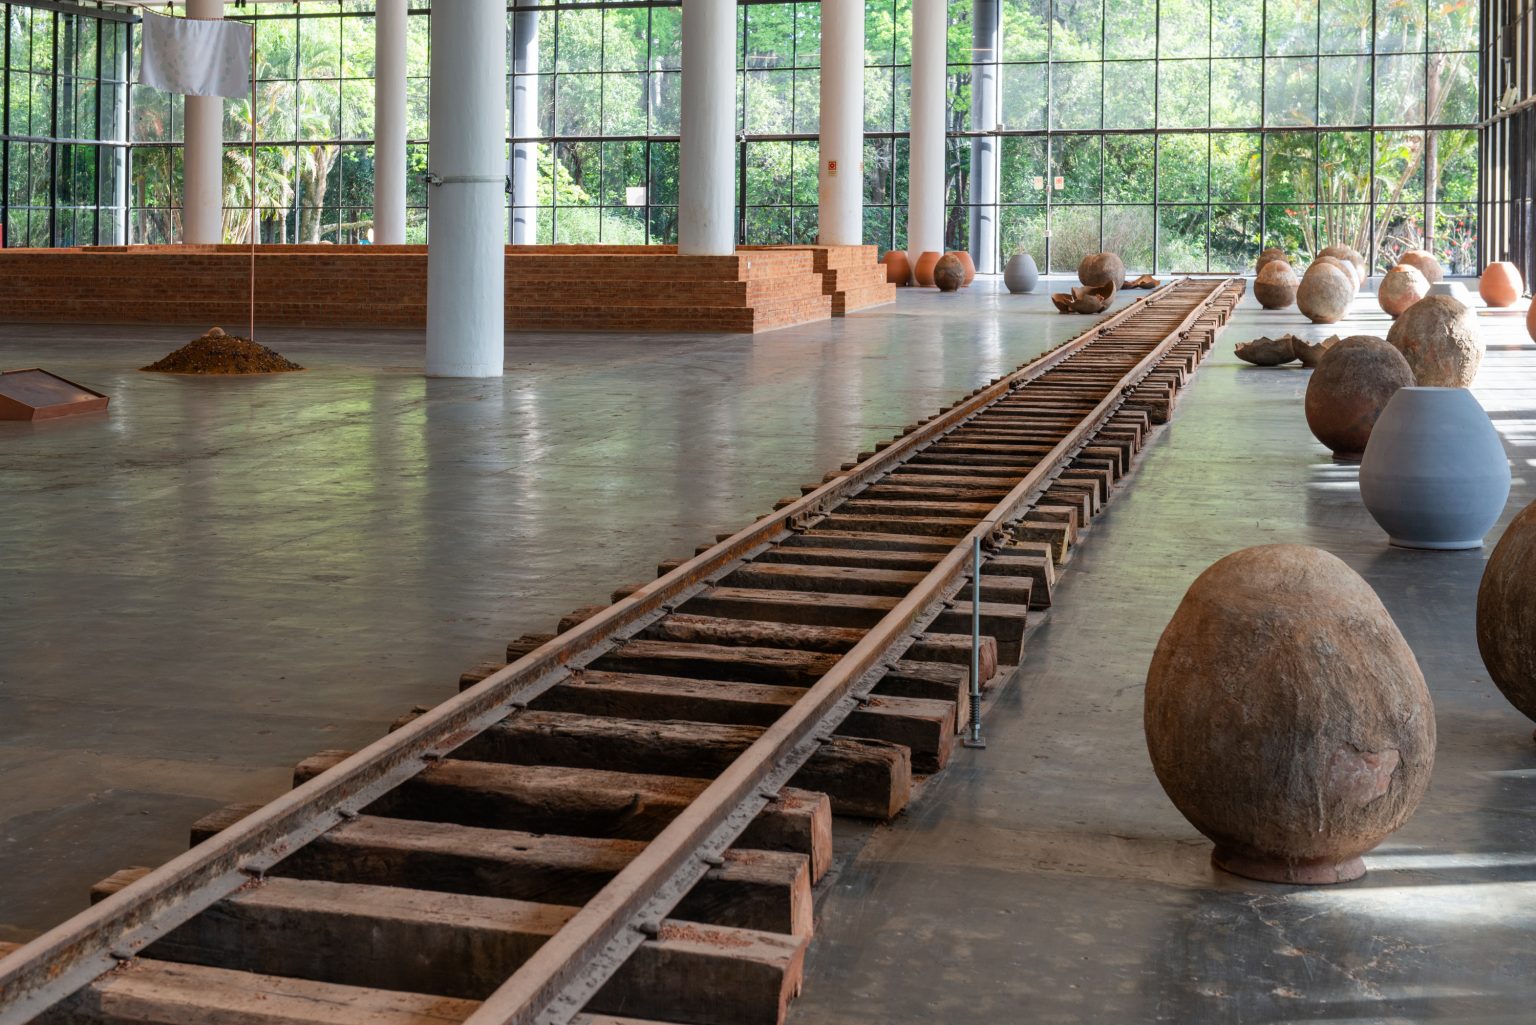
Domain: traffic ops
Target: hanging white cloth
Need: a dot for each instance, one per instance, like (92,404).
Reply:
(196,58)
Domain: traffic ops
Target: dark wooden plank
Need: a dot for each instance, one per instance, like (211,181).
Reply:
(463,946)
(585,802)
(863,778)
(767,890)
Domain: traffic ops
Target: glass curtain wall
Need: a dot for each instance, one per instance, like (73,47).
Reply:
(1508,183)
(1185,136)
(63,140)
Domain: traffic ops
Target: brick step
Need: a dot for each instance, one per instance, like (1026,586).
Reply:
(857,299)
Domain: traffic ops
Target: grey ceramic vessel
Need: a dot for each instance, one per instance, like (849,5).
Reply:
(1434,474)
(1021,274)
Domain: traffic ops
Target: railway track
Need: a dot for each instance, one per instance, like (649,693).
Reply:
(625,822)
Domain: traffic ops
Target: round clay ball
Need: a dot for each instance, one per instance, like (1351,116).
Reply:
(1501,284)
(1349,255)
(1286,716)
(949,273)
(1325,293)
(1101,269)
(1400,288)
(1439,338)
(1354,380)
(1275,287)
(1506,613)
(1423,261)
(1343,265)
(1269,256)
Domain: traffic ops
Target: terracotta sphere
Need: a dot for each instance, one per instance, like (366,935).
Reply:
(1352,384)
(1349,255)
(1506,613)
(898,267)
(922,270)
(1275,287)
(1424,262)
(1101,269)
(1400,288)
(1439,338)
(1343,265)
(1268,256)
(1530,321)
(965,261)
(949,273)
(1286,716)
(1325,293)
(1500,284)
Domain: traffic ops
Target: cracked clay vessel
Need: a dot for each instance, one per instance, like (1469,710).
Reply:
(1286,716)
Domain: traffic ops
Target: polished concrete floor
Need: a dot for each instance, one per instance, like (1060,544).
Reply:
(1048,879)
(221,577)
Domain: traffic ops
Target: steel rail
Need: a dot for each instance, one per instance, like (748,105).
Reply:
(553,986)
(72,954)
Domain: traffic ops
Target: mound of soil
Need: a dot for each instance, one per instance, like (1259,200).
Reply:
(219,353)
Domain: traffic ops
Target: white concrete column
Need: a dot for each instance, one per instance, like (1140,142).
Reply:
(986,42)
(841,185)
(525,121)
(925,170)
(202,199)
(389,50)
(466,258)
(706,216)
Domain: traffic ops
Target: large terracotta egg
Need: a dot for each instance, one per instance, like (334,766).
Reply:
(1500,284)
(1439,337)
(1276,284)
(1353,382)
(1506,613)
(1400,288)
(1101,269)
(1325,293)
(1286,716)
(1425,263)
(1268,256)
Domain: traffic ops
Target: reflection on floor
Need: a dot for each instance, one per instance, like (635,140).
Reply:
(221,577)
(1048,879)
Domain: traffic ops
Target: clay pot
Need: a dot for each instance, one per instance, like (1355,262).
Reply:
(1439,338)
(1101,269)
(1434,474)
(1530,321)
(1506,613)
(966,262)
(1353,383)
(1309,353)
(1267,352)
(1275,287)
(1325,293)
(1286,716)
(1500,284)
(923,269)
(1455,289)
(1267,257)
(1424,262)
(1343,265)
(898,269)
(1021,274)
(1084,299)
(1349,255)
(949,273)
(1400,288)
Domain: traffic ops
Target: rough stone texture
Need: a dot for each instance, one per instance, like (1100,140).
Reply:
(1101,269)
(1500,284)
(949,273)
(1325,293)
(1343,265)
(1309,353)
(1267,352)
(1268,256)
(1439,338)
(1286,716)
(1506,613)
(1424,262)
(1349,389)
(964,257)
(1349,255)
(1275,287)
(1400,288)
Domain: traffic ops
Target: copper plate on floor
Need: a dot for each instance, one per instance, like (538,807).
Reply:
(38,395)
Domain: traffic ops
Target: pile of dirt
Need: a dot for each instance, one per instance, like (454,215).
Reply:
(219,353)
